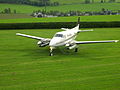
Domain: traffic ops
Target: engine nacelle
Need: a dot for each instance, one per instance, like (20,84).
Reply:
(39,43)
(42,43)
(72,46)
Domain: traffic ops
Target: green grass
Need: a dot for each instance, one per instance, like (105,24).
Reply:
(63,8)
(14,16)
(68,1)
(87,7)
(24,66)
(19,8)
(64,19)
(77,1)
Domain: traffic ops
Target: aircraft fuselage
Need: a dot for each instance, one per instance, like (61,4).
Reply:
(63,38)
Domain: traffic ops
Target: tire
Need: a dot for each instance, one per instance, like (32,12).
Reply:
(76,49)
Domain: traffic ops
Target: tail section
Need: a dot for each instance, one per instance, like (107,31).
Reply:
(78,21)
(76,28)
(78,24)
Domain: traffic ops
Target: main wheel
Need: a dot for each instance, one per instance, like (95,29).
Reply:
(76,49)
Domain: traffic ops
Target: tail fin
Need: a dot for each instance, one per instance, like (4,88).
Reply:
(78,21)
(78,24)
(75,28)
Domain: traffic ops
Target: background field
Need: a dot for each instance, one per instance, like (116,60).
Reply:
(63,8)
(23,65)
(14,16)
(77,1)
(64,19)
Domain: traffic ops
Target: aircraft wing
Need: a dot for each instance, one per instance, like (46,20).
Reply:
(33,37)
(88,42)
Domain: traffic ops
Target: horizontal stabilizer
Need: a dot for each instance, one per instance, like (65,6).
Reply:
(85,30)
(65,29)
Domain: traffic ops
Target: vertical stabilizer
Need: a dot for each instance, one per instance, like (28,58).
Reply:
(78,21)
(78,24)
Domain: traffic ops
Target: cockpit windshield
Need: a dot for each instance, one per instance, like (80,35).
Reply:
(59,35)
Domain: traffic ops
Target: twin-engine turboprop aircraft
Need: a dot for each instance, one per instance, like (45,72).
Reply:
(64,38)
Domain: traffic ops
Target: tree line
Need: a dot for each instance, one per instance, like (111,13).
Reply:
(101,1)
(8,11)
(31,2)
(51,13)
(47,2)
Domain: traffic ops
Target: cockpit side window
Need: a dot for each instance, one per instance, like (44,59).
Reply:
(59,35)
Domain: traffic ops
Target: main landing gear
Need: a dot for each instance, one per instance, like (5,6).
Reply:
(76,49)
(51,51)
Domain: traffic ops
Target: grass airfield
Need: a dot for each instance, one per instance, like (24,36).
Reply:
(97,18)
(63,8)
(25,66)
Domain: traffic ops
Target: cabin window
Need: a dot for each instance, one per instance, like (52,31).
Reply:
(59,35)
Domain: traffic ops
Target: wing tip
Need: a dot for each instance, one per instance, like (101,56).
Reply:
(116,40)
(18,33)
(92,29)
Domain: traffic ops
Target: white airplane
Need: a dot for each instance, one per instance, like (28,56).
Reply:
(64,38)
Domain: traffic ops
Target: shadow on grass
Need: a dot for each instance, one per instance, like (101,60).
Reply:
(60,52)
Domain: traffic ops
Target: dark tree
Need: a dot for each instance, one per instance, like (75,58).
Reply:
(31,2)
(55,3)
(7,11)
(14,12)
(112,1)
(87,1)
(101,1)
(92,1)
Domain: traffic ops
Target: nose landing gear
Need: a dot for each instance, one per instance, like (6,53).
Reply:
(51,51)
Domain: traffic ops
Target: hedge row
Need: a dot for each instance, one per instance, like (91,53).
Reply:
(57,25)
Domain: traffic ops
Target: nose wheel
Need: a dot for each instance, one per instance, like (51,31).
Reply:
(51,51)
(51,54)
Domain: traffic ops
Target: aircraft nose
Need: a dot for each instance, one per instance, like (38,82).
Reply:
(54,42)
